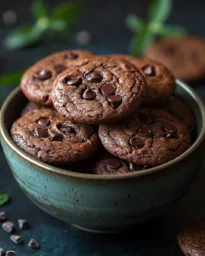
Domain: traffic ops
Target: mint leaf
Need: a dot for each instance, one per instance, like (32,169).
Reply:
(134,23)
(11,79)
(39,9)
(68,13)
(168,30)
(3,198)
(58,25)
(159,10)
(22,36)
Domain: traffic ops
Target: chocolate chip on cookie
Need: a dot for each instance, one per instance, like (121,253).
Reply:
(192,240)
(184,56)
(160,81)
(46,135)
(38,80)
(99,90)
(149,137)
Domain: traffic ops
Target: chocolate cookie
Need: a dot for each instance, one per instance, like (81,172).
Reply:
(37,82)
(192,240)
(150,137)
(181,111)
(30,107)
(160,81)
(185,57)
(98,90)
(109,165)
(46,135)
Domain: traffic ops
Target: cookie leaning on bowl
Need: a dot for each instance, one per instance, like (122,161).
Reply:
(99,90)
(37,82)
(46,135)
(149,137)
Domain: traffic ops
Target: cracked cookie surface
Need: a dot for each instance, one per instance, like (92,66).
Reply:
(149,137)
(37,82)
(46,135)
(98,90)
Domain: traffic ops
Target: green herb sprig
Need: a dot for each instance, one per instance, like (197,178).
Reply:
(3,198)
(145,32)
(56,23)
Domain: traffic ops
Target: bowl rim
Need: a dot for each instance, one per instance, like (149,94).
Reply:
(7,138)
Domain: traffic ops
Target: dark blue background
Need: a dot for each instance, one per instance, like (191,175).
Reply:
(105,21)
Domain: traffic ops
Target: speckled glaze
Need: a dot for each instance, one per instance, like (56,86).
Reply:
(103,203)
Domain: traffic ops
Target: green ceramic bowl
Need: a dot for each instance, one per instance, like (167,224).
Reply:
(103,203)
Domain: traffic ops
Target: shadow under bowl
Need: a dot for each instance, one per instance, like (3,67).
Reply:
(103,203)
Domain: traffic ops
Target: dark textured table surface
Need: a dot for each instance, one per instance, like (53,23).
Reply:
(156,237)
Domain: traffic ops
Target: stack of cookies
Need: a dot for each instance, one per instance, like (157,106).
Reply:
(115,114)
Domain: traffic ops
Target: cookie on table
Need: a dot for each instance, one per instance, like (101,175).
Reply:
(46,135)
(192,240)
(149,137)
(181,111)
(184,56)
(99,90)
(37,82)
(160,81)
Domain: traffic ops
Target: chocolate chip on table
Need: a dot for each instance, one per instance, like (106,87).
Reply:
(57,137)
(33,244)
(73,80)
(170,130)
(10,253)
(114,163)
(41,133)
(94,77)
(23,224)
(136,142)
(71,56)
(149,71)
(59,68)
(43,121)
(1,251)
(2,216)
(145,132)
(89,95)
(115,100)
(108,89)
(43,75)
(16,239)
(8,226)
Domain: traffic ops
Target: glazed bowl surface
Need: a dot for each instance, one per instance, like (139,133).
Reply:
(103,203)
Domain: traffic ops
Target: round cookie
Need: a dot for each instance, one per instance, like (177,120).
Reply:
(160,81)
(99,90)
(111,165)
(37,82)
(150,137)
(192,240)
(181,111)
(184,56)
(30,107)
(46,135)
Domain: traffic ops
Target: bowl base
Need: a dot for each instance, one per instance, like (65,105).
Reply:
(100,231)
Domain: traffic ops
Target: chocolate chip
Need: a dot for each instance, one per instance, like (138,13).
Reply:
(33,244)
(115,100)
(66,129)
(146,119)
(136,142)
(43,75)
(108,89)
(94,77)
(23,224)
(10,253)
(57,137)
(145,132)
(114,163)
(2,216)
(73,80)
(170,131)
(41,133)
(71,56)
(43,121)
(8,226)
(1,251)
(16,239)
(89,95)
(59,68)
(149,71)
